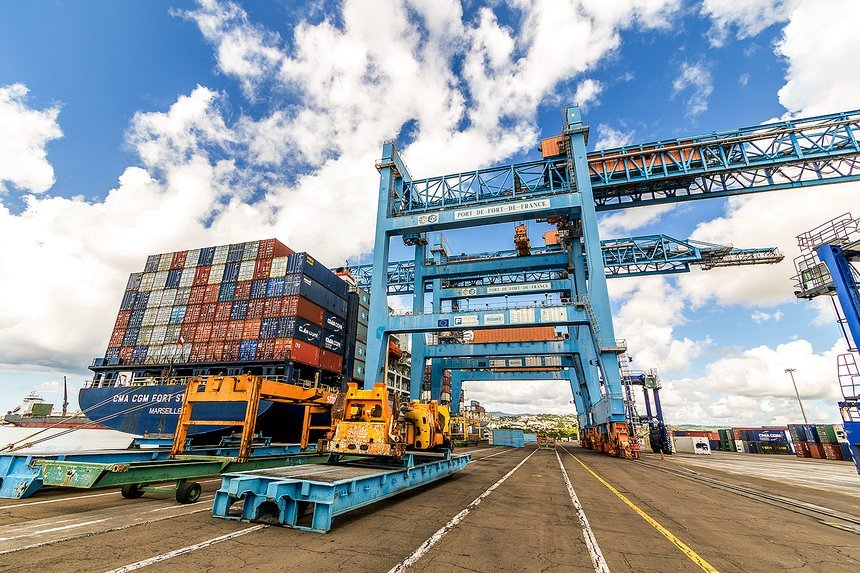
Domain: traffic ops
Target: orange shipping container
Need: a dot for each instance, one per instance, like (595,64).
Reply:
(234,330)
(551,146)
(525,334)
(251,330)
(243,290)
(178,261)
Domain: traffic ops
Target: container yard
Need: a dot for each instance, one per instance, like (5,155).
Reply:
(308,402)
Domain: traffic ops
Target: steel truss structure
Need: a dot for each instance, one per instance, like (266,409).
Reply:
(572,187)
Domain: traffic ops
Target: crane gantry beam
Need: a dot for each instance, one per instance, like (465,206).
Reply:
(771,156)
(633,256)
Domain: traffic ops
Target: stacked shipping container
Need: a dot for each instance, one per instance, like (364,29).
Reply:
(254,301)
(822,441)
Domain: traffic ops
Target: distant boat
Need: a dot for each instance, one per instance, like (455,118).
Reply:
(34,412)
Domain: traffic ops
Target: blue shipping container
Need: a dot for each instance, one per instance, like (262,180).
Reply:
(766,436)
(258,288)
(333,323)
(206,257)
(248,350)
(510,438)
(811,434)
(333,342)
(302,263)
(227,292)
(173,278)
(239,310)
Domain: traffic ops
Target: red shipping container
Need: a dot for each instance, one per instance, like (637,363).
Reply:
(219,331)
(214,351)
(272,307)
(116,337)
(186,333)
(303,352)
(831,451)
(234,330)
(330,361)
(207,312)
(211,294)
(266,349)
(222,311)
(197,295)
(122,320)
(262,268)
(203,333)
(256,308)
(231,352)
(298,306)
(201,276)
(523,334)
(801,449)
(192,314)
(125,354)
(273,248)
(251,329)
(815,451)
(281,348)
(195,354)
(243,290)
(178,261)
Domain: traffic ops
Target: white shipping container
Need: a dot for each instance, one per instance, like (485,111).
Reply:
(153,355)
(158,334)
(163,316)
(172,334)
(216,275)
(144,336)
(168,297)
(246,270)
(692,445)
(187,278)
(249,251)
(220,255)
(164,263)
(182,296)
(149,316)
(191,259)
(279,267)
(146,282)
(155,299)
(160,280)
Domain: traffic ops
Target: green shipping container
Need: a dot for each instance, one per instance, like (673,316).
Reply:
(39,410)
(826,433)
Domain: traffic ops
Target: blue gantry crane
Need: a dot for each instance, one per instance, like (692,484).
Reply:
(826,267)
(567,187)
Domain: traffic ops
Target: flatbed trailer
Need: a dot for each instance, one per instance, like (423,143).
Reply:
(137,478)
(21,475)
(309,498)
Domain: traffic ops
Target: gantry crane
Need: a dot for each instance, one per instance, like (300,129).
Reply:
(826,266)
(571,185)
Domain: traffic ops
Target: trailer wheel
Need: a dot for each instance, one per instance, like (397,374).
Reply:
(131,491)
(188,492)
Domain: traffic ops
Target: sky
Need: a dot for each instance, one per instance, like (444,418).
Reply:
(152,126)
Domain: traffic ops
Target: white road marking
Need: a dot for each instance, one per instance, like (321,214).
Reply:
(176,552)
(52,529)
(594,552)
(442,531)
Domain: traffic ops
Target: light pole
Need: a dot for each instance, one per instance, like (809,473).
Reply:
(791,372)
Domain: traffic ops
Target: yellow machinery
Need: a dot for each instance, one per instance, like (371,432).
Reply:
(364,423)
(249,389)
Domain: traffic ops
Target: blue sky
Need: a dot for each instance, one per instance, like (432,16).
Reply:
(207,118)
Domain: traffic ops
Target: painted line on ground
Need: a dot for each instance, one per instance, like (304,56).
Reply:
(442,531)
(76,497)
(53,529)
(182,551)
(685,549)
(108,530)
(597,559)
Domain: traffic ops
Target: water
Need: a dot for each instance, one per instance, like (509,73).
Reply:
(76,441)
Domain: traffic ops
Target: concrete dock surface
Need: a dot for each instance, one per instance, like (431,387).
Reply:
(560,510)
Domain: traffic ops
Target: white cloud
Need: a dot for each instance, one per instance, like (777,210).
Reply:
(761,317)
(747,17)
(752,388)
(818,43)
(743,79)
(522,397)
(209,174)
(24,133)
(625,221)
(609,137)
(696,81)
(588,93)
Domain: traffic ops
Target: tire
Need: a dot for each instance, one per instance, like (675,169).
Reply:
(188,492)
(131,491)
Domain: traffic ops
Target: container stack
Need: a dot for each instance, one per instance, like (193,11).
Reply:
(800,440)
(445,396)
(358,315)
(762,440)
(524,334)
(832,447)
(727,440)
(712,437)
(246,302)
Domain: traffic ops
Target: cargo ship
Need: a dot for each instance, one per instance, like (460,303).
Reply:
(248,308)
(35,412)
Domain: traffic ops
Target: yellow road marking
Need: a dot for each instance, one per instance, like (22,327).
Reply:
(685,549)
